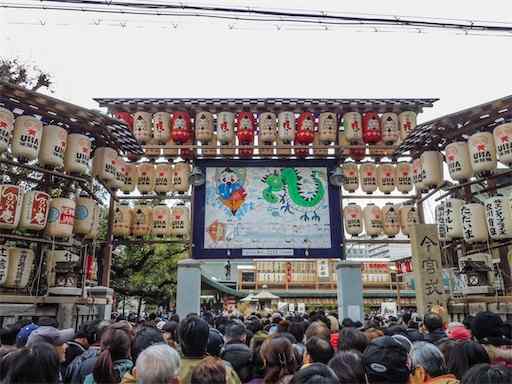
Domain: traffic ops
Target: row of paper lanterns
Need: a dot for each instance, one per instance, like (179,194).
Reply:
(475,222)
(385,177)
(146,220)
(16,264)
(389,220)
(58,217)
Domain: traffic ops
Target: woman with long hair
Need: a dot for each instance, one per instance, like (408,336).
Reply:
(279,360)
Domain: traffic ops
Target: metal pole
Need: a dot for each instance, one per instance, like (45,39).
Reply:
(107,257)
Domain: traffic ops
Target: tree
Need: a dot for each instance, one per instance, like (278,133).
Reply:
(24,75)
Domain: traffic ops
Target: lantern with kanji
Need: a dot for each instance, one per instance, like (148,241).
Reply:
(372,132)
(417,175)
(408,217)
(104,164)
(161,127)
(390,128)
(267,128)
(146,175)
(432,169)
(246,127)
(482,152)
(26,139)
(499,217)
(286,127)
(350,177)
(327,127)
(34,212)
(503,140)
(353,127)
(141,222)
(163,179)
(452,218)
(125,117)
(4,263)
(305,133)
(474,225)
(180,177)
(130,181)
(122,220)
(84,215)
(353,218)
(225,128)
(407,121)
(78,154)
(95,228)
(53,146)
(21,262)
(181,131)
(204,127)
(386,178)
(390,220)
(61,218)
(6,128)
(440,220)
(404,177)
(458,160)
(372,216)
(142,127)
(368,177)
(11,199)
(120,173)
(161,226)
(180,222)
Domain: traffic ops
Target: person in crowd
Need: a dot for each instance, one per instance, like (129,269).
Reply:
(347,366)
(9,333)
(464,355)
(169,331)
(347,323)
(157,364)
(46,321)
(318,350)
(457,331)
(53,336)
(385,360)
(215,343)
(279,359)
(24,333)
(489,330)
(84,337)
(193,337)
(297,329)
(315,373)
(258,365)
(446,347)
(488,374)
(210,370)
(428,365)
(434,327)
(372,333)
(7,354)
(333,320)
(318,328)
(351,338)
(236,352)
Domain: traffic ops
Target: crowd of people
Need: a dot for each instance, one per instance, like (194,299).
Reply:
(314,348)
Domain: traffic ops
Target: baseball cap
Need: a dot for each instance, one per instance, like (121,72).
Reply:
(24,333)
(488,327)
(386,360)
(51,335)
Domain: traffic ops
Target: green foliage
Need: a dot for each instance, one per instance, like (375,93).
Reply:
(24,74)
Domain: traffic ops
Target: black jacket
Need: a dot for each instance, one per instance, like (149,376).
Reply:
(436,336)
(239,356)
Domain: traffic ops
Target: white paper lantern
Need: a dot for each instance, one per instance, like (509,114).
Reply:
(440,220)
(11,199)
(452,218)
(353,127)
(142,216)
(26,139)
(226,127)
(408,217)
(372,216)
(350,177)
(417,175)
(161,127)
(95,229)
(499,217)
(286,127)
(390,220)
(6,128)
(180,222)
(21,262)
(268,128)
(327,127)
(353,218)
(386,178)
(390,128)
(142,127)
(53,146)
(103,164)
(78,154)
(368,177)
(119,173)
(131,176)
(432,169)
(503,140)
(458,160)
(122,220)
(474,226)
(204,127)
(407,121)
(61,218)
(482,152)
(180,177)
(404,181)
(84,215)
(146,176)
(34,212)
(163,180)
(4,263)
(161,221)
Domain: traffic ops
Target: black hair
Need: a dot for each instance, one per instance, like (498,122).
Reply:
(115,345)
(319,350)
(235,330)
(406,317)
(215,342)
(297,329)
(432,321)
(488,374)
(347,323)
(9,333)
(144,338)
(89,331)
(253,325)
(175,317)
(464,355)
(193,335)
(38,364)
(467,321)
(351,338)
(348,367)
(47,322)
(315,373)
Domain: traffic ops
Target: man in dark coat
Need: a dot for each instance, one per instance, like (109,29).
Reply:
(236,351)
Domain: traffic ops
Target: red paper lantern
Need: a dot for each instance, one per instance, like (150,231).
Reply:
(126,117)
(358,153)
(181,131)
(372,132)
(245,124)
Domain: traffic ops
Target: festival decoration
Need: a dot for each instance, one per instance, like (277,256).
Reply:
(26,138)
(503,140)
(225,127)
(34,211)
(246,127)
(122,220)
(163,179)
(119,166)
(353,219)
(146,175)
(61,218)
(404,177)
(372,217)
(204,127)
(498,213)
(350,177)
(230,188)
(181,131)
(103,164)
(78,154)
(11,198)
(386,178)
(458,160)
(452,218)
(439,217)
(161,127)
(407,121)
(390,128)
(327,127)
(482,153)
(368,177)
(161,226)
(372,132)
(142,216)
(180,176)
(130,181)
(286,127)
(6,128)
(267,132)
(353,127)
(4,263)
(474,226)
(180,222)
(53,146)
(305,132)
(408,217)
(432,175)
(21,262)
(390,220)
(142,127)
(417,175)
(95,228)
(126,117)
(84,215)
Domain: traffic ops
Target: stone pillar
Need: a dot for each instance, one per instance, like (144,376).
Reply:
(349,290)
(189,287)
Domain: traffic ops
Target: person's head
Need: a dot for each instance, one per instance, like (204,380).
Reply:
(235,332)
(37,364)
(169,332)
(297,328)
(347,323)
(489,328)
(158,364)
(115,345)
(386,360)
(144,338)
(406,317)
(9,333)
(464,355)
(210,370)
(193,335)
(87,333)
(279,358)
(215,343)
(488,374)
(24,334)
(315,373)
(318,328)
(7,354)
(318,350)
(348,367)
(427,362)
(258,365)
(57,338)
(351,338)
(47,322)
(459,333)
(432,322)
(373,333)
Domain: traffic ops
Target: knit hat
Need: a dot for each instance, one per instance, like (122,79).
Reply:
(459,333)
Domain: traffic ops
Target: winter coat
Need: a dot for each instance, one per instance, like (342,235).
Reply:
(436,336)
(239,356)
(81,366)
(121,367)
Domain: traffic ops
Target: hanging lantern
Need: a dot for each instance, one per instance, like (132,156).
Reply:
(84,215)
(21,262)
(146,175)
(440,220)
(386,178)
(267,125)
(286,127)
(180,177)
(408,217)
(390,128)
(125,117)
(163,179)
(417,175)
(180,222)
(372,216)
(368,177)
(353,126)
(61,218)
(350,177)
(161,221)
(122,220)
(34,212)
(4,263)
(432,175)
(458,160)
(142,216)
(503,140)
(11,198)
(103,164)
(204,127)
(26,138)
(327,127)
(119,167)
(6,128)
(407,120)
(161,127)
(78,154)
(474,227)
(390,220)
(95,228)
(498,213)
(305,132)
(482,153)
(452,218)
(142,127)
(130,180)
(181,128)
(404,177)
(225,127)
(246,125)
(358,152)
(372,133)
(353,218)
(53,146)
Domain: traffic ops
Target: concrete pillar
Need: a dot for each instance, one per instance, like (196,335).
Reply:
(189,287)
(349,290)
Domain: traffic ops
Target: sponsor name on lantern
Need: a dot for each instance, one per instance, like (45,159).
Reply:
(504,148)
(369,180)
(22,260)
(350,179)
(388,181)
(455,166)
(29,141)
(58,151)
(67,216)
(178,224)
(467,226)
(4,256)
(39,207)
(144,180)
(81,158)
(159,224)
(8,204)
(176,180)
(482,156)
(109,168)
(496,218)
(161,181)
(404,180)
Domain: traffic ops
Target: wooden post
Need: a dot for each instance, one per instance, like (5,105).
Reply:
(107,256)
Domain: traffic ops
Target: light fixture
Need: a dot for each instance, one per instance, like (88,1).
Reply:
(196,177)
(336,177)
